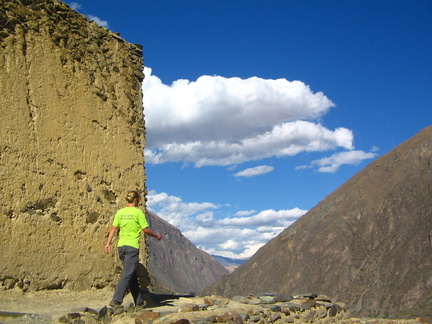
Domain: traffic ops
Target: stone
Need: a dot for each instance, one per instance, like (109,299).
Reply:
(254,318)
(181,321)
(63,319)
(236,317)
(188,308)
(321,311)
(292,306)
(235,312)
(323,298)
(239,298)
(102,313)
(209,301)
(268,299)
(254,301)
(305,295)
(130,308)
(332,311)
(284,298)
(91,311)
(308,315)
(325,304)
(118,310)
(219,300)
(78,321)
(223,319)
(145,317)
(203,307)
(303,303)
(275,308)
(9,283)
(73,316)
(275,317)
(285,310)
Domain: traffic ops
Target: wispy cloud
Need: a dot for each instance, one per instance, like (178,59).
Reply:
(239,236)
(253,172)
(245,212)
(100,22)
(75,6)
(281,218)
(332,163)
(224,121)
(78,7)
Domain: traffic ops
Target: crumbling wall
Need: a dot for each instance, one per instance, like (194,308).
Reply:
(71,144)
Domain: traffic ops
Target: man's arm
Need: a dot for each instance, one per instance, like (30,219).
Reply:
(110,236)
(148,231)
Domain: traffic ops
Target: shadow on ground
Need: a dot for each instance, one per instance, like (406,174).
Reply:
(158,300)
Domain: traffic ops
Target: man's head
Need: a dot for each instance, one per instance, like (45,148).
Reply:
(132,195)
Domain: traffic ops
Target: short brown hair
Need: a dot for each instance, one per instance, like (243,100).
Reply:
(132,195)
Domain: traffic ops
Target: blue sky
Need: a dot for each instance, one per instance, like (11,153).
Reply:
(257,110)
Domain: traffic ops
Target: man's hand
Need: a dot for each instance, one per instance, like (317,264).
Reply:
(110,236)
(148,231)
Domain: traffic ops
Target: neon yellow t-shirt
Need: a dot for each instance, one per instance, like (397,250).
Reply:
(131,221)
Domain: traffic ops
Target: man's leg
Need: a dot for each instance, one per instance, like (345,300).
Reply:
(129,256)
(135,290)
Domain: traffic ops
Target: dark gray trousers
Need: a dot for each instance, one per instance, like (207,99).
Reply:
(129,278)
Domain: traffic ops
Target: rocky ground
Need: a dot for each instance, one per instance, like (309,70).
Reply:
(46,306)
(91,306)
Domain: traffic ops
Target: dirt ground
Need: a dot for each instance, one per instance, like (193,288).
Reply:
(48,306)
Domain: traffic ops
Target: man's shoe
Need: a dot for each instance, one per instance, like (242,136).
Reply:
(114,303)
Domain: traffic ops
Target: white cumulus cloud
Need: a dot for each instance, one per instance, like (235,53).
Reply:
(225,121)
(239,236)
(288,139)
(176,211)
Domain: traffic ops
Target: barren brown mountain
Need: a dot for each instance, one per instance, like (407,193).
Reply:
(369,243)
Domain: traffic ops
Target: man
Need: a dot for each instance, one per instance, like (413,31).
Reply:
(131,221)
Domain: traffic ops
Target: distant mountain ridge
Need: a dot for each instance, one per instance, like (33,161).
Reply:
(229,263)
(369,243)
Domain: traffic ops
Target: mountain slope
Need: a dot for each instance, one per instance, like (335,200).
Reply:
(176,265)
(368,243)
